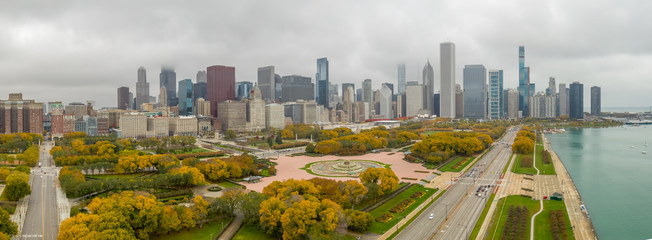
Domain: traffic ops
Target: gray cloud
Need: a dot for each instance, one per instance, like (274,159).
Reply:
(78,50)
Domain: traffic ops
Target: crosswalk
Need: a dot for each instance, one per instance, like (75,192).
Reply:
(31,236)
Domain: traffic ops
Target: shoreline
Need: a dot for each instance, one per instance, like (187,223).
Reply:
(580,220)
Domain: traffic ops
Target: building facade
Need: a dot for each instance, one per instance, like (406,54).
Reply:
(447,77)
(267,83)
(322,82)
(242,90)
(413,98)
(142,88)
(385,102)
(401,78)
(495,103)
(19,115)
(168,79)
(185,97)
(220,86)
(576,101)
(296,88)
(274,116)
(563,104)
(512,104)
(596,108)
(543,106)
(202,107)
(133,125)
(428,87)
(232,114)
(123,98)
(475,91)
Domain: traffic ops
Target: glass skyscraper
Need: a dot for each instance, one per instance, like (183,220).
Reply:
(168,79)
(523,82)
(496,104)
(576,101)
(321,77)
(185,97)
(475,90)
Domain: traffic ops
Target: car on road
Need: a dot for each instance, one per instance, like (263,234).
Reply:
(432,215)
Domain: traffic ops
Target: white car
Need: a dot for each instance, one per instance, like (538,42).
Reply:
(432,215)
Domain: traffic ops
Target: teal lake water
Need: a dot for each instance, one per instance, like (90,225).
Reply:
(614,180)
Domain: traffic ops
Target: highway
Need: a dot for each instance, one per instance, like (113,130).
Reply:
(42,219)
(457,210)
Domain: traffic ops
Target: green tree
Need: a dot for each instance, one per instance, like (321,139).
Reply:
(358,221)
(279,140)
(17,186)
(7,227)
(229,135)
(200,209)
(250,206)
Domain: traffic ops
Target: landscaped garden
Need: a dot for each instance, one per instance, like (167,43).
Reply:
(457,164)
(398,208)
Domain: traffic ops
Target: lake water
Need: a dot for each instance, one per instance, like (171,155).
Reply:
(614,180)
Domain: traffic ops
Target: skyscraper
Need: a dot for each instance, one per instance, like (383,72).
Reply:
(576,101)
(552,87)
(496,105)
(385,102)
(596,108)
(220,85)
(366,91)
(563,100)
(168,79)
(475,90)
(198,91)
(321,79)
(297,87)
(352,93)
(428,86)
(278,82)
(201,76)
(401,78)
(267,83)
(413,98)
(512,104)
(243,89)
(524,86)
(123,98)
(447,65)
(142,88)
(185,97)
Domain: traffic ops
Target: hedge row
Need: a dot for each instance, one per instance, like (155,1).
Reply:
(384,218)
(199,155)
(399,208)
(289,145)
(173,193)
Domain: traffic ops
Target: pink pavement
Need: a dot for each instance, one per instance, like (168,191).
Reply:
(289,167)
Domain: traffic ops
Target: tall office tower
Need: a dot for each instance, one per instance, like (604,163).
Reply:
(401,78)
(198,91)
(321,79)
(495,94)
(447,76)
(385,102)
(344,87)
(505,103)
(163,97)
(358,95)
(267,83)
(142,88)
(297,87)
(132,101)
(552,87)
(512,104)
(220,85)
(390,86)
(459,101)
(523,82)
(123,98)
(413,98)
(437,104)
(201,76)
(185,97)
(243,90)
(278,81)
(168,79)
(475,91)
(596,97)
(576,101)
(563,100)
(366,91)
(429,87)
(542,106)
(333,94)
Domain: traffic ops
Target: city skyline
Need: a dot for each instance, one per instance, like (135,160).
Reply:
(93,63)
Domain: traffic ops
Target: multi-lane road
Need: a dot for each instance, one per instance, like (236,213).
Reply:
(455,213)
(42,219)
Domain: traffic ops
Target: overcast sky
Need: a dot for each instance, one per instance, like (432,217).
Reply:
(77,50)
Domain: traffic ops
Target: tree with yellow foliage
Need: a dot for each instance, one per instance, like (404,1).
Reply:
(200,209)
(385,178)
(270,212)
(197,176)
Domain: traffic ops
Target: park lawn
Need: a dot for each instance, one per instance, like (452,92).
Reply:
(209,231)
(428,133)
(225,184)
(363,205)
(545,169)
(500,216)
(457,164)
(521,170)
(251,232)
(380,228)
(189,150)
(542,221)
(112,176)
(483,215)
(265,172)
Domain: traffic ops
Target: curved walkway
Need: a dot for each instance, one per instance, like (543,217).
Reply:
(534,163)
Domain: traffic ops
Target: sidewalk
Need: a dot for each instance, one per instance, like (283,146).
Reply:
(233,228)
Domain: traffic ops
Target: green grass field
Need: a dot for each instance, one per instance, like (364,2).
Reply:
(542,228)
(251,232)
(209,231)
(363,205)
(457,164)
(112,176)
(483,215)
(502,210)
(545,169)
(225,184)
(516,168)
(380,228)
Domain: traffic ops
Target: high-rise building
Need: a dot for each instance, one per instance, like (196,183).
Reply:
(475,91)
(19,115)
(123,98)
(202,107)
(231,113)
(348,95)
(563,100)
(413,98)
(185,97)
(279,86)
(142,88)
(243,89)
(267,83)
(596,108)
(199,91)
(429,87)
(552,87)
(220,86)
(512,104)
(274,116)
(201,76)
(385,102)
(132,101)
(297,87)
(358,95)
(366,91)
(322,82)
(496,104)
(168,79)
(255,111)
(77,108)
(576,101)
(543,106)
(401,78)
(163,97)
(437,104)
(447,76)
(524,86)
(333,95)
(133,125)
(459,101)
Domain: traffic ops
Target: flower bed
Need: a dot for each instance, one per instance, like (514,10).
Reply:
(417,194)
(214,189)
(384,218)
(399,208)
